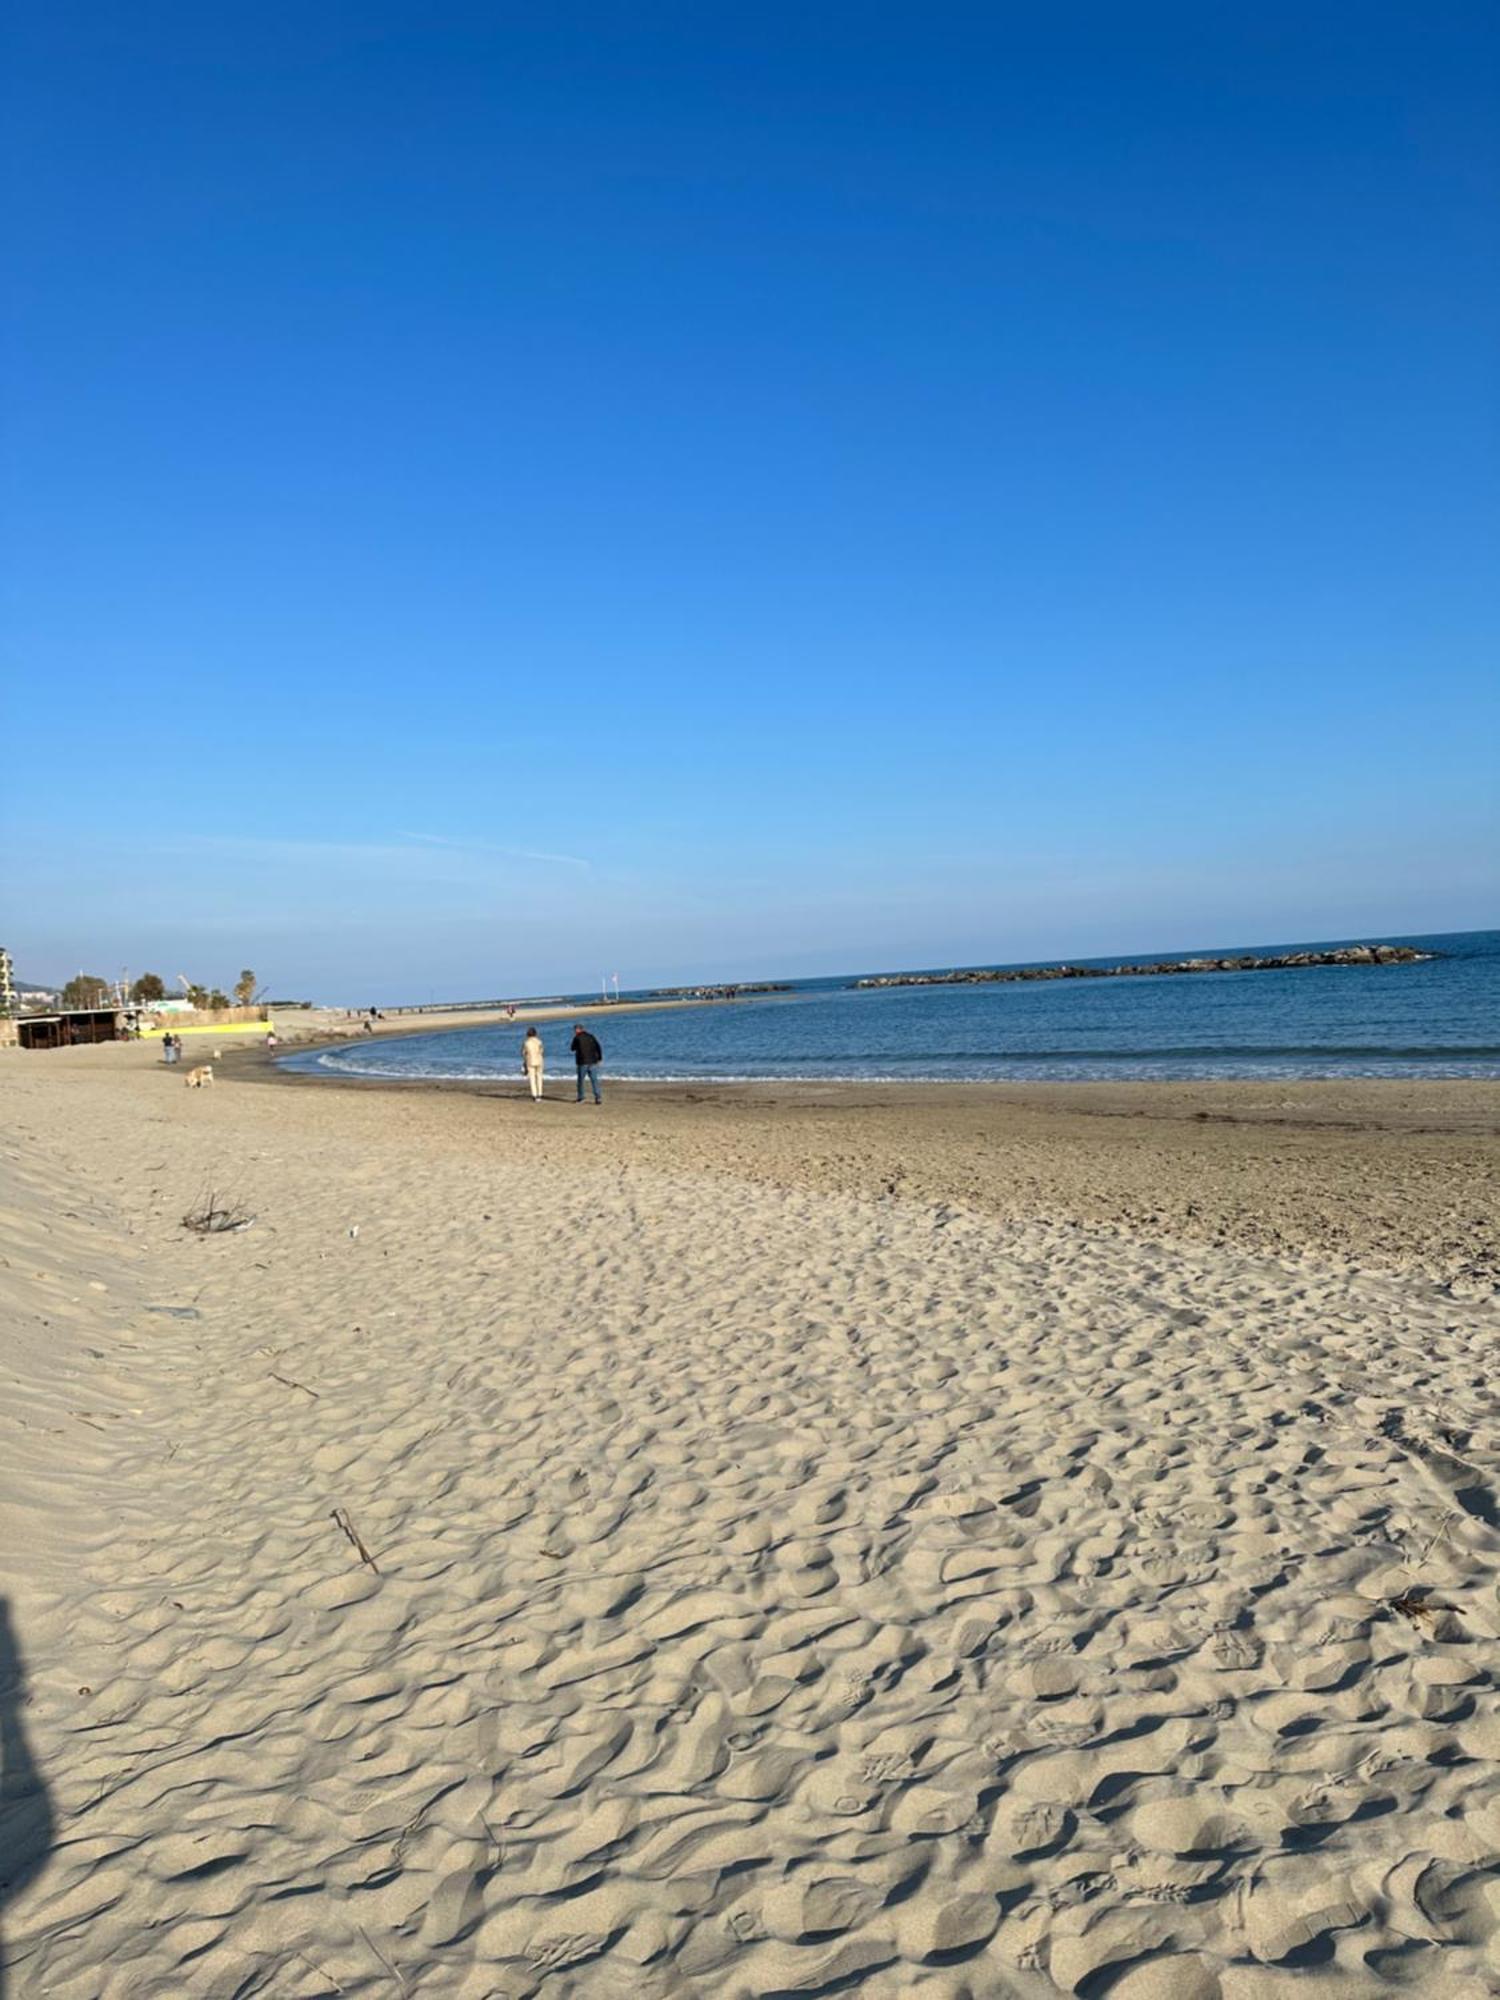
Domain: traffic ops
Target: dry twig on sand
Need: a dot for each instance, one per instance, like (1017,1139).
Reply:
(1416,1603)
(1413,1605)
(393,1970)
(287,1383)
(321,1971)
(213,1214)
(352,1533)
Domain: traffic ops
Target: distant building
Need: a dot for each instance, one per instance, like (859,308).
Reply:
(7,985)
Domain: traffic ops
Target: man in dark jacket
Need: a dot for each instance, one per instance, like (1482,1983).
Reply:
(588,1055)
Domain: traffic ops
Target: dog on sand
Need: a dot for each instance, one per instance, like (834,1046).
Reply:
(196,1078)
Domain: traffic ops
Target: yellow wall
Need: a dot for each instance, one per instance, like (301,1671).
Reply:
(223,1028)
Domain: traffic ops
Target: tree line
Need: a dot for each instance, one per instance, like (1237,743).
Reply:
(86,989)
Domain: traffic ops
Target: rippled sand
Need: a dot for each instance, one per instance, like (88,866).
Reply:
(776,1586)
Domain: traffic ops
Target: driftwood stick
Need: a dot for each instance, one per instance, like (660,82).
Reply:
(352,1533)
(287,1383)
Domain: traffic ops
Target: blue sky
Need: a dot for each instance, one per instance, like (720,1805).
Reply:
(498,495)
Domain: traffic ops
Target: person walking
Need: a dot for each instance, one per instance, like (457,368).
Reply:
(533,1061)
(588,1055)
(168,1048)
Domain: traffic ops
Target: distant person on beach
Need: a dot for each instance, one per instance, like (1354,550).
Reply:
(588,1055)
(169,1049)
(533,1061)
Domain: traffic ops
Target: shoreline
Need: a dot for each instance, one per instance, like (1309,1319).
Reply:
(1089,1097)
(1407,1104)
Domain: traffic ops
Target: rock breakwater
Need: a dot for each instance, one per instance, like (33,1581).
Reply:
(1349,954)
(739,992)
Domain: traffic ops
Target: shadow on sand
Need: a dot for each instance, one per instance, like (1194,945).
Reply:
(25,1804)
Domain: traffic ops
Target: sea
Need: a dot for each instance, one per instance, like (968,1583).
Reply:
(1438,1018)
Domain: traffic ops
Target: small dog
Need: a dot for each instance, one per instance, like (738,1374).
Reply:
(196,1078)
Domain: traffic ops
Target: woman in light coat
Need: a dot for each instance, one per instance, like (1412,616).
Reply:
(533,1061)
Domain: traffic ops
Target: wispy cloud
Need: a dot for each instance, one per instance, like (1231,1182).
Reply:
(495,847)
(396,848)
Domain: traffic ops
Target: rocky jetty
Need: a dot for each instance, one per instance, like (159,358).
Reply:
(738,992)
(1348,954)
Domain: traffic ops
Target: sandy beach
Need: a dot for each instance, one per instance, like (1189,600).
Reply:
(747,1542)
(332,1025)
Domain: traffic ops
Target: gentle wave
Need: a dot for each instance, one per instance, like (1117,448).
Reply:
(1142,1068)
(911,1065)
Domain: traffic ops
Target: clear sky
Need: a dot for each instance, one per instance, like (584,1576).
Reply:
(495,494)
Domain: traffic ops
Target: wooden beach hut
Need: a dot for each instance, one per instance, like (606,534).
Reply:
(69,1027)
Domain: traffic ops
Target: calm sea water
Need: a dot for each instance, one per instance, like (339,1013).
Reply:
(1436,1019)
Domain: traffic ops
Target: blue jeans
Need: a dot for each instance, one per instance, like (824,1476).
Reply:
(591,1071)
